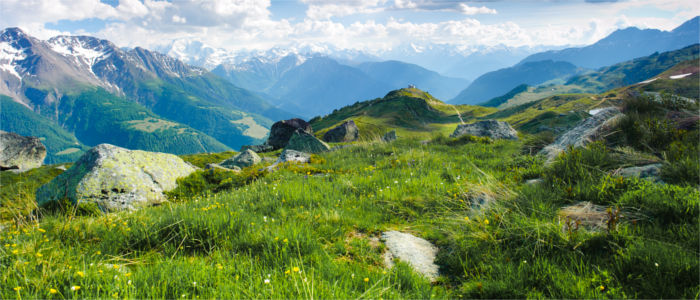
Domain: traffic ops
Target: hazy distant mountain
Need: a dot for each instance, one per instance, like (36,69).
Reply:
(399,75)
(134,98)
(321,84)
(258,73)
(625,44)
(499,82)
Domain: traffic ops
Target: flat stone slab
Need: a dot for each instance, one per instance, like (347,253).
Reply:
(417,252)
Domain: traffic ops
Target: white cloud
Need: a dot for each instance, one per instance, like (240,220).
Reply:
(473,10)
(442,5)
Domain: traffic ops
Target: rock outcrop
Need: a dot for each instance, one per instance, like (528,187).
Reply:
(584,133)
(389,136)
(258,148)
(282,131)
(293,156)
(20,152)
(306,142)
(115,179)
(488,128)
(649,172)
(346,132)
(244,159)
(415,251)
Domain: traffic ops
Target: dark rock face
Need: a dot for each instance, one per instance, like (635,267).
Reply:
(257,148)
(20,152)
(489,128)
(306,142)
(346,132)
(282,131)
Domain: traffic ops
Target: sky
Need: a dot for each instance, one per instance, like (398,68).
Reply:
(368,25)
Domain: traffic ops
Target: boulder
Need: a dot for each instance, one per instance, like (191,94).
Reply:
(20,152)
(389,136)
(115,179)
(488,128)
(584,133)
(257,148)
(294,156)
(346,132)
(650,172)
(244,159)
(213,166)
(306,142)
(417,252)
(282,131)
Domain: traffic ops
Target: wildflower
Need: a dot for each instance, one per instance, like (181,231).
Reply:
(295,269)
(127,274)
(656,265)
(52,291)
(396,182)
(15,251)
(602,288)
(80,273)
(366,279)
(285,241)
(267,281)
(219,266)
(466,219)
(40,230)
(17,288)
(194,283)
(39,255)
(286,272)
(524,261)
(75,288)
(486,221)
(128,282)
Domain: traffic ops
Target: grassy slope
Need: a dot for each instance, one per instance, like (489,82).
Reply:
(308,229)
(411,112)
(17,118)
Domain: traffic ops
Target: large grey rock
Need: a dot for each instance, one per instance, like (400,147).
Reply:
(650,172)
(20,152)
(282,131)
(346,132)
(488,128)
(115,179)
(415,251)
(389,136)
(306,142)
(289,155)
(584,133)
(244,159)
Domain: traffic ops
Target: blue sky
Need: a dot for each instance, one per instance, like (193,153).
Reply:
(369,25)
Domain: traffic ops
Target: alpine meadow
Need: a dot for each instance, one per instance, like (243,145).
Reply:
(296,149)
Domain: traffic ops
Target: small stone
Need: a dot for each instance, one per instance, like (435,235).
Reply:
(244,159)
(488,128)
(389,136)
(415,251)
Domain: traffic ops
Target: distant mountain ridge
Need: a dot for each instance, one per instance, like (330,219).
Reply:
(215,114)
(625,44)
(499,82)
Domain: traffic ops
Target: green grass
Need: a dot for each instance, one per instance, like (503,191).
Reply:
(309,231)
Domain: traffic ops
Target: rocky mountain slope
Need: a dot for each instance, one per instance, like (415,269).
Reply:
(45,75)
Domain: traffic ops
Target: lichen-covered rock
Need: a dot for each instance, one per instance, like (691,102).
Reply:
(20,152)
(115,179)
(244,159)
(213,166)
(389,136)
(346,132)
(289,155)
(415,251)
(282,131)
(584,133)
(306,142)
(488,128)
(649,172)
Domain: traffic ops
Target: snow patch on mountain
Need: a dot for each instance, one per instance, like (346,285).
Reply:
(8,55)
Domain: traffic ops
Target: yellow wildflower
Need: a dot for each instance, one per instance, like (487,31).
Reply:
(17,288)
(75,288)
(295,269)
(52,291)
(285,240)
(366,279)
(486,221)
(15,251)
(40,230)
(80,273)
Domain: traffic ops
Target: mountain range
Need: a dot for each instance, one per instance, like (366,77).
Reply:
(152,96)
(619,46)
